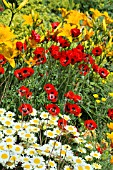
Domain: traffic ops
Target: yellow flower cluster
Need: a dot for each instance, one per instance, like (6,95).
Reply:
(110,136)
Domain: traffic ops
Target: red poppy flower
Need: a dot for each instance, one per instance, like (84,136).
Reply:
(53,95)
(27,71)
(21,46)
(103,72)
(40,60)
(63,43)
(65,59)
(75,109)
(110,113)
(18,74)
(54,50)
(35,36)
(39,52)
(84,69)
(95,68)
(28,94)
(97,51)
(55,25)
(80,47)
(67,107)
(75,32)
(77,56)
(25,109)
(76,98)
(69,94)
(2,70)
(48,87)
(2,59)
(53,109)
(62,123)
(23,91)
(90,124)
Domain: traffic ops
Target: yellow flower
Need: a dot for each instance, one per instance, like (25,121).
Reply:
(66,31)
(6,34)
(111,161)
(10,52)
(103,99)
(110,135)
(29,19)
(64,12)
(95,96)
(98,101)
(96,13)
(88,33)
(107,18)
(110,94)
(74,17)
(30,62)
(87,21)
(110,126)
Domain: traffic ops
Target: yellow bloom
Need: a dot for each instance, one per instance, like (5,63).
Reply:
(111,161)
(29,19)
(10,52)
(6,34)
(96,13)
(110,126)
(97,101)
(88,33)
(110,135)
(103,99)
(95,96)
(30,62)
(110,94)
(64,12)
(66,31)
(87,21)
(107,18)
(74,17)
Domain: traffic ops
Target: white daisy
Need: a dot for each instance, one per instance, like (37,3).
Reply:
(96,166)
(2,111)
(81,150)
(27,166)
(9,131)
(88,158)
(4,156)
(95,154)
(34,113)
(49,134)
(10,114)
(36,161)
(44,115)
(34,121)
(18,149)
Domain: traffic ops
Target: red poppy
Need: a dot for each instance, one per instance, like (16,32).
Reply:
(28,94)
(62,123)
(25,109)
(97,51)
(40,60)
(65,59)
(84,69)
(35,36)
(48,87)
(53,95)
(18,74)
(63,42)
(90,124)
(53,109)
(75,109)
(95,68)
(21,46)
(110,113)
(75,32)
(80,47)
(2,59)
(103,72)
(54,50)
(70,94)
(67,107)
(2,70)
(39,52)
(77,56)
(23,91)
(88,59)
(55,25)
(76,98)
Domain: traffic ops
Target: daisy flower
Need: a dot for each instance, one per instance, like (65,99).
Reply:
(95,154)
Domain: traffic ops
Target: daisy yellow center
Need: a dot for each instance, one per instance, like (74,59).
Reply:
(47,150)
(58,131)
(63,152)
(7,123)
(50,133)
(51,163)
(1,148)
(87,167)
(9,140)
(13,158)
(37,161)
(27,166)
(68,168)
(17,149)
(95,154)
(80,168)
(4,156)
(70,128)
(31,152)
(28,135)
(9,131)
(9,146)
(78,161)
(1,112)
(44,115)
(26,159)
(17,126)
(35,121)
(9,163)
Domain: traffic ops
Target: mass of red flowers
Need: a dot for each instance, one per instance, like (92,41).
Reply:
(53,109)
(24,91)
(110,113)
(23,73)
(25,109)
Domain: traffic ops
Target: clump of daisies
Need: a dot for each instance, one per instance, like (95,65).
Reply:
(44,142)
